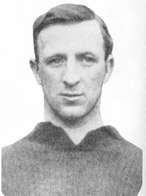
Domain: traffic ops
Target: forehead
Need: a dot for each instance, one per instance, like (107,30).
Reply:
(79,36)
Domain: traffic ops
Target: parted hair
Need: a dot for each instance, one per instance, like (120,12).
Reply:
(69,14)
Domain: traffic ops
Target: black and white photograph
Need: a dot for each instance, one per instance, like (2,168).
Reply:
(73,107)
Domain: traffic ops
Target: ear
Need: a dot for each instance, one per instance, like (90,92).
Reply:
(35,69)
(109,67)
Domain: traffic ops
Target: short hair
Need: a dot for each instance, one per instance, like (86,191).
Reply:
(69,14)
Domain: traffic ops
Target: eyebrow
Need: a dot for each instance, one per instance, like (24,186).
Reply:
(54,56)
(78,55)
(86,53)
(89,54)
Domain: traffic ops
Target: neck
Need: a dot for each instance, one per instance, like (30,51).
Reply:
(77,129)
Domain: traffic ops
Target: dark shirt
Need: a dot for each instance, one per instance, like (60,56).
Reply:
(48,163)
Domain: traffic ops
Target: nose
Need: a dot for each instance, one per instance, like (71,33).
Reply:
(71,76)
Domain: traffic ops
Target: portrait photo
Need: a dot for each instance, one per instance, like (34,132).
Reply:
(73,107)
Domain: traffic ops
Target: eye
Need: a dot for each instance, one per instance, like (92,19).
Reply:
(89,59)
(55,61)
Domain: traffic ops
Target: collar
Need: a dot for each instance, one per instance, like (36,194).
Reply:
(52,136)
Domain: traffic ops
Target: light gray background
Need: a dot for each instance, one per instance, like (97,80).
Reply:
(123,100)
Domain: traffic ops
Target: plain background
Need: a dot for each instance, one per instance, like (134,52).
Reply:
(123,102)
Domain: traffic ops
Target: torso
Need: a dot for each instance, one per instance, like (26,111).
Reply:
(99,166)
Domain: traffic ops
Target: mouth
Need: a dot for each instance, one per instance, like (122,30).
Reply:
(71,95)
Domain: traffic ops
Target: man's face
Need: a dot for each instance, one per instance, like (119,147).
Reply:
(72,68)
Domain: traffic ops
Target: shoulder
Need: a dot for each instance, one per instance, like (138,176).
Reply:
(18,151)
(128,157)
(18,162)
(134,158)
(133,164)
(24,146)
(12,155)
(27,146)
(131,151)
(123,145)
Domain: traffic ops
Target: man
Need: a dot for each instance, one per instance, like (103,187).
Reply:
(72,153)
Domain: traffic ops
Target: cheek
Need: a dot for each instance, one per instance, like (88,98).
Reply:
(47,78)
(99,79)
(95,82)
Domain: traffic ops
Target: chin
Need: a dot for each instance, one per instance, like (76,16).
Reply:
(71,119)
(72,114)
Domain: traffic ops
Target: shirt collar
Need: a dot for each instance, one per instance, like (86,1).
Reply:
(48,134)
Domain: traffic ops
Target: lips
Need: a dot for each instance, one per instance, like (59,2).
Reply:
(72,98)
(71,95)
